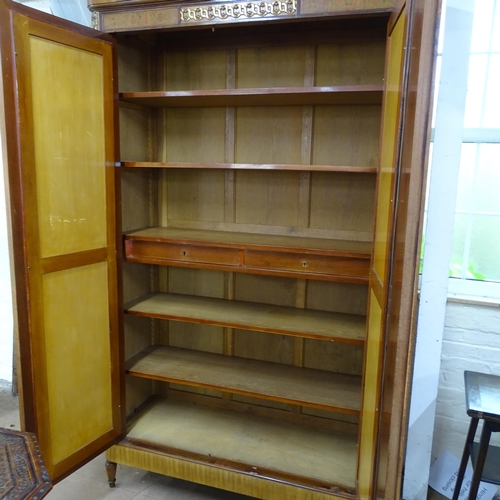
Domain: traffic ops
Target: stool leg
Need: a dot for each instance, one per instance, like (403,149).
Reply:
(481,458)
(465,456)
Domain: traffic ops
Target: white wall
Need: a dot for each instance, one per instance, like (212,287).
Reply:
(471,341)
(6,321)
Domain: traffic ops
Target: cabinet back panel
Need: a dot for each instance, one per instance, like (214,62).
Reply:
(135,71)
(281,411)
(196,390)
(138,280)
(196,70)
(265,289)
(196,195)
(346,135)
(342,201)
(196,282)
(195,336)
(333,356)
(268,198)
(352,63)
(272,67)
(263,346)
(253,402)
(138,334)
(138,390)
(337,297)
(340,417)
(136,142)
(139,200)
(269,135)
(196,135)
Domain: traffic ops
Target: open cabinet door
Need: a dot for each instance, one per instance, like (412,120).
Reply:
(395,261)
(59,125)
(379,286)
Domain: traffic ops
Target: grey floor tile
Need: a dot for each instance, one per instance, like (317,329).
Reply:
(9,409)
(77,487)
(91,483)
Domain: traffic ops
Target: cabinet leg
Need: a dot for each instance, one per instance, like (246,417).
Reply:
(111,473)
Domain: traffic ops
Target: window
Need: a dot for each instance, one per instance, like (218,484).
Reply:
(475,249)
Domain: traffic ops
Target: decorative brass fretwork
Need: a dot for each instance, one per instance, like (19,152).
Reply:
(94,20)
(238,10)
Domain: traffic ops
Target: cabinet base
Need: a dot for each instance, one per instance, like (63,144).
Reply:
(153,460)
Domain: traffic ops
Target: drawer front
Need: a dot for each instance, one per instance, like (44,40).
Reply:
(308,264)
(158,251)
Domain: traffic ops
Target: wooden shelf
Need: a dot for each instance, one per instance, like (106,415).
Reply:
(251,166)
(274,381)
(322,325)
(281,96)
(292,256)
(292,453)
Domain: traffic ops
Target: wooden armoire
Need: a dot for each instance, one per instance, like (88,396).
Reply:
(215,209)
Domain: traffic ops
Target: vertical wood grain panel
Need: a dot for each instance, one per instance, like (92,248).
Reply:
(196,70)
(353,63)
(134,65)
(196,135)
(135,134)
(333,356)
(346,135)
(379,289)
(267,197)
(388,153)
(271,67)
(269,135)
(229,191)
(196,195)
(373,372)
(342,201)
(337,297)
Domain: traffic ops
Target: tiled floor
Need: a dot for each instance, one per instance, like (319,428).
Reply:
(90,482)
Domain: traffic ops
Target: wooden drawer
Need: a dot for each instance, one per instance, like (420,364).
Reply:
(161,251)
(151,246)
(308,264)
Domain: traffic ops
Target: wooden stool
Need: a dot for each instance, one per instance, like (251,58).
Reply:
(22,472)
(482,396)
